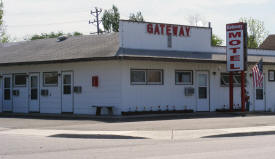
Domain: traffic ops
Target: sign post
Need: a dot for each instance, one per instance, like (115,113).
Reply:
(236,57)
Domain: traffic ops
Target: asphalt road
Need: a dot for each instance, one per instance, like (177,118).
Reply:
(250,137)
(251,147)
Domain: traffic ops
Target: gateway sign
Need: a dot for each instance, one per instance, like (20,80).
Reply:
(236,51)
(168,29)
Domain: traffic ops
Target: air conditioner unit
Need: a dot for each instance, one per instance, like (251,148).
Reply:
(44,92)
(77,89)
(189,91)
(15,92)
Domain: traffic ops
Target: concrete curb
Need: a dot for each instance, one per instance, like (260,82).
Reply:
(135,117)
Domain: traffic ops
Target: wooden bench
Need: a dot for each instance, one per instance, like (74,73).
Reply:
(99,108)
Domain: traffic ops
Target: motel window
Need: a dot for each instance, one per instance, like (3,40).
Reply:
(225,80)
(271,75)
(20,80)
(184,77)
(146,77)
(50,78)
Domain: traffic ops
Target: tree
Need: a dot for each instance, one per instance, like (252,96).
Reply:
(77,33)
(3,37)
(53,35)
(196,20)
(110,19)
(138,17)
(216,41)
(256,32)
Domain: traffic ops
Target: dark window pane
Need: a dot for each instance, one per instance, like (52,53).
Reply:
(259,94)
(7,94)
(202,92)
(34,94)
(50,78)
(67,89)
(154,76)
(34,82)
(184,77)
(138,76)
(7,82)
(20,80)
(67,79)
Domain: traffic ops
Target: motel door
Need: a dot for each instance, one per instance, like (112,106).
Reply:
(67,92)
(259,94)
(7,93)
(202,91)
(34,92)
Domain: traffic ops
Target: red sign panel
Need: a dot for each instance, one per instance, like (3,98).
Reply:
(236,46)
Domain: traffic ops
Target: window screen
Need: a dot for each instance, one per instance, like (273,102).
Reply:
(154,76)
(50,78)
(138,76)
(184,77)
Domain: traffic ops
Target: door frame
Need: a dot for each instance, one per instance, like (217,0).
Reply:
(29,89)
(3,91)
(197,90)
(61,85)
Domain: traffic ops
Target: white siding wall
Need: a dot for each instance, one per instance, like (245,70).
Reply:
(108,92)
(1,92)
(147,96)
(115,88)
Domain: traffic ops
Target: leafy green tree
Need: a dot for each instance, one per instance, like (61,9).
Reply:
(110,19)
(3,37)
(77,33)
(53,35)
(256,32)
(216,41)
(138,17)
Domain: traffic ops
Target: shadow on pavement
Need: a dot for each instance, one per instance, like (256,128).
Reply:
(95,136)
(244,134)
(134,118)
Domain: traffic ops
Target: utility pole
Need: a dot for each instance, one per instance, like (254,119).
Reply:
(96,14)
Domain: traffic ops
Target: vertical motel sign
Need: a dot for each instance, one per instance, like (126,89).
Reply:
(236,57)
(236,53)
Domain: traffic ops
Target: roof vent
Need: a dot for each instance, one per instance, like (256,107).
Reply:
(61,38)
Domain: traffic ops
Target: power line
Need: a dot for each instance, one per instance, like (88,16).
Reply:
(96,14)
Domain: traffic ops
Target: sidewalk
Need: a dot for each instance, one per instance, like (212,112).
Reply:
(155,135)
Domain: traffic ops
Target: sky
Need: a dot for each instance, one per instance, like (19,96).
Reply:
(24,18)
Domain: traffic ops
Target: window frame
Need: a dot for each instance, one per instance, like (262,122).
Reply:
(262,94)
(273,75)
(50,85)
(14,76)
(234,79)
(181,83)
(138,83)
(146,77)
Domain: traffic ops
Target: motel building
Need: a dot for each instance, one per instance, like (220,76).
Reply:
(145,67)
